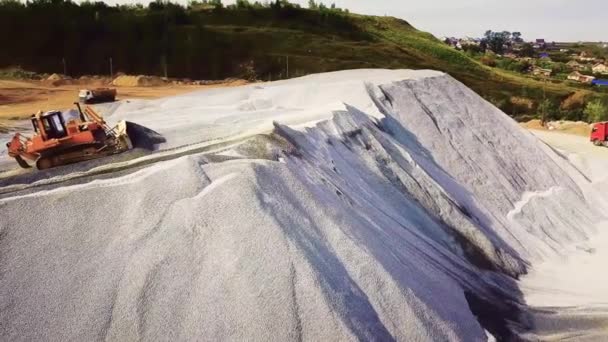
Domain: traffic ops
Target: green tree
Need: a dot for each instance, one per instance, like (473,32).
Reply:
(527,50)
(596,111)
(547,110)
(216,3)
(243,4)
(496,40)
(472,49)
(517,37)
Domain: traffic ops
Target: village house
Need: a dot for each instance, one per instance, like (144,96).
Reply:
(542,72)
(574,65)
(540,44)
(578,77)
(470,41)
(585,57)
(600,68)
(459,43)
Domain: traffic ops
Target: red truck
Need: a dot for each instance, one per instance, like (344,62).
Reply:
(599,134)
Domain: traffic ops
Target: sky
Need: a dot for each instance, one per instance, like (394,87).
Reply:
(553,20)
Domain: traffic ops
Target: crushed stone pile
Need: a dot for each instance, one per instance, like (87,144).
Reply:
(394,205)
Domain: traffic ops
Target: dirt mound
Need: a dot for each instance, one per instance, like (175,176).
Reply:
(229,81)
(138,81)
(58,80)
(533,124)
(55,77)
(570,127)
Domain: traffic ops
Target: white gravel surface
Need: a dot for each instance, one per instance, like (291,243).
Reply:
(568,291)
(401,207)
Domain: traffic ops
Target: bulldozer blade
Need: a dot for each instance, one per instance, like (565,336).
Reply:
(22,162)
(122,135)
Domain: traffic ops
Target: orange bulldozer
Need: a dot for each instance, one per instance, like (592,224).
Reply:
(70,137)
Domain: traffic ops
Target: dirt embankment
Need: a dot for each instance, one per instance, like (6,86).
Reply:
(569,127)
(21,98)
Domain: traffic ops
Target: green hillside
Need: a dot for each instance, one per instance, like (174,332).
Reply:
(253,41)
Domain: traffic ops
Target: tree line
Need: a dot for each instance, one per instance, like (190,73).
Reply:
(55,35)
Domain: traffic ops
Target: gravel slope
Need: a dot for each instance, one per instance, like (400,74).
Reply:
(393,205)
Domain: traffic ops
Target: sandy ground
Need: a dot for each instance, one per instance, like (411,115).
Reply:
(19,99)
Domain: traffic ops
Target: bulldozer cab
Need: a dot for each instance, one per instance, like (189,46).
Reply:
(50,125)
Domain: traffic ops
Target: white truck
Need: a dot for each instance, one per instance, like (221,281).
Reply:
(97,95)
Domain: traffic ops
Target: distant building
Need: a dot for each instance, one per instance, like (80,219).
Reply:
(578,77)
(540,44)
(600,83)
(470,41)
(543,55)
(575,65)
(585,57)
(525,59)
(460,43)
(600,68)
(542,72)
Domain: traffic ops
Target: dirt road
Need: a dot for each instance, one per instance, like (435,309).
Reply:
(19,99)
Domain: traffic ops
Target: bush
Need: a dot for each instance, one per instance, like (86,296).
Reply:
(488,60)
(513,65)
(547,110)
(596,111)
(573,115)
(18,73)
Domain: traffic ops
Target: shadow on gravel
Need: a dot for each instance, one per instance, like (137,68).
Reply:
(495,300)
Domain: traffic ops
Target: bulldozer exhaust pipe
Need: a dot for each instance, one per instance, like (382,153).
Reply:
(82,118)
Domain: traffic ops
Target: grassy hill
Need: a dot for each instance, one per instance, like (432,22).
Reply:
(265,43)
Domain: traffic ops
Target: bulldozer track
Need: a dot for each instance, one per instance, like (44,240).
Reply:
(135,163)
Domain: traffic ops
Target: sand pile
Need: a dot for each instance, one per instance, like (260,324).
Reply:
(58,80)
(533,124)
(138,81)
(571,127)
(55,77)
(400,206)
(564,126)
